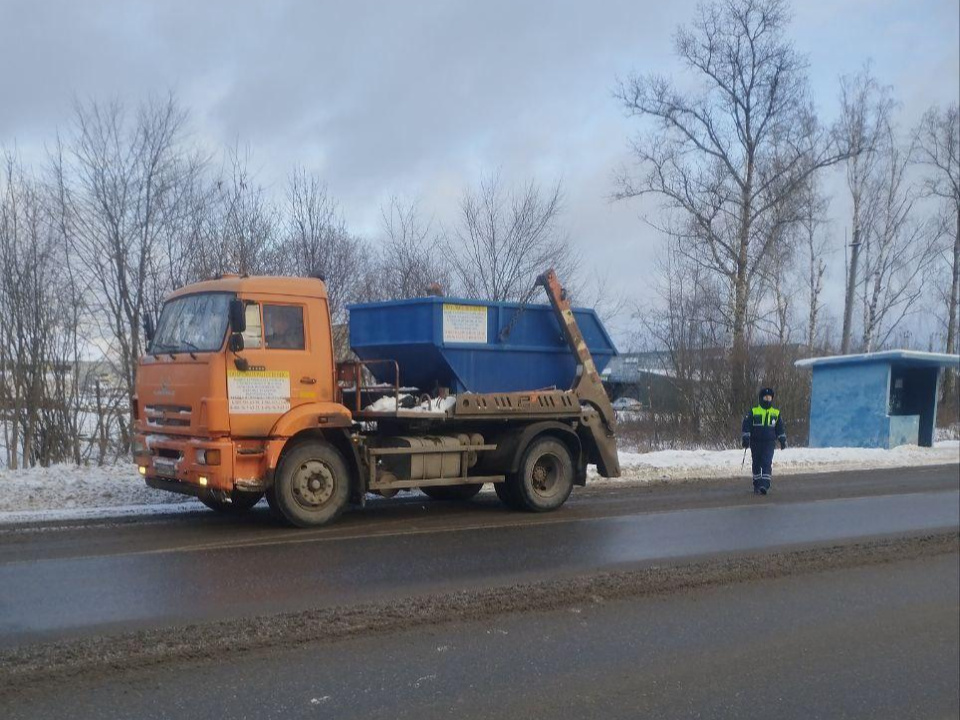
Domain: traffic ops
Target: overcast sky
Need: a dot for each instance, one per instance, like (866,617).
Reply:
(420,98)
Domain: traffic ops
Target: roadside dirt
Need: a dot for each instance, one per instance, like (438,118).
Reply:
(26,668)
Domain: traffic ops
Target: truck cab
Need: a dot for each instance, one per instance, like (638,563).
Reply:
(214,404)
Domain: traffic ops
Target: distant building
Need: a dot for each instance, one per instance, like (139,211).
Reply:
(646,377)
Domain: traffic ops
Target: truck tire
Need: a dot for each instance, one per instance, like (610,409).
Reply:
(452,492)
(271,496)
(545,478)
(505,492)
(312,484)
(240,502)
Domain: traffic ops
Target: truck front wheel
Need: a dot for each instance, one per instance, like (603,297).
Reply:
(312,484)
(545,477)
(239,502)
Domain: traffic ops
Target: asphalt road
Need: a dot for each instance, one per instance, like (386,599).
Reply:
(873,642)
(66,581)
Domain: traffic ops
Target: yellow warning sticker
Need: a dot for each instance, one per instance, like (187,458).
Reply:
(258,392)
(464,323)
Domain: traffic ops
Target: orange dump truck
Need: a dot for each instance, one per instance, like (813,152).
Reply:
(239,396)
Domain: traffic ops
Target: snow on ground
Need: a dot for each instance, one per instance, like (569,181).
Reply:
(667,465)
(68,492)
(69,487)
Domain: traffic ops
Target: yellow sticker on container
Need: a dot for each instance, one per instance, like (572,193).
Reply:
(464,323)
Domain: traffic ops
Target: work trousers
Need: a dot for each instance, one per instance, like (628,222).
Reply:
(762,455)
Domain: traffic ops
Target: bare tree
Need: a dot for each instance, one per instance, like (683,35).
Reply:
(39,327)
(899,249)
(864,124)
(598,293)
(777,285)
(937,147)
(22,248)
(778,277)
(687,324)
(317,243)
(122,188)
(76,289)
(815,246)
(413,258)
(188,242)
(504,239)
(241,231)
(724,158)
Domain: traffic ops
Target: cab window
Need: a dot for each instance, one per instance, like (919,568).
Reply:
(192,323)
(252,336)
(283,327)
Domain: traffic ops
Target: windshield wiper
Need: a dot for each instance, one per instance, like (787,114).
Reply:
(193,347)
(161,348)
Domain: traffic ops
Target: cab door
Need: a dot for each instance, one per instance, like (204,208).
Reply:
(271,375)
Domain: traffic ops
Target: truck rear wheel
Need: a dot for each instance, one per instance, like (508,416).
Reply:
(240,502)
(505,492)
(312,484)
(452,492)
(545,478)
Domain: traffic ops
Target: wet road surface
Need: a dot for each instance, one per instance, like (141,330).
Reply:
(66,580)
(869,642)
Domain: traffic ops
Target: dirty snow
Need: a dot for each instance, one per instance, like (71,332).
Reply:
(434,405)
(66,492)
(388,403)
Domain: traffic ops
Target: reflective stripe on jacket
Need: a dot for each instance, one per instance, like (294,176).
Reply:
(763,425)
(765,416)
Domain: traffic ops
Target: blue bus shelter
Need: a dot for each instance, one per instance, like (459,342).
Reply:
(881,399)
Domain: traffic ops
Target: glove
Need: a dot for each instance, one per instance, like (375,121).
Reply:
(745,443)
(783,444)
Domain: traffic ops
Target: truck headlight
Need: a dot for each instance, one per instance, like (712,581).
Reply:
(208,457)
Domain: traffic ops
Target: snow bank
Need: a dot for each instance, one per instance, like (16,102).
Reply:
(68,492)
(67,487)
(686,464)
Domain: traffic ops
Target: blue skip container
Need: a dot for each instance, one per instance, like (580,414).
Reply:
(471,345)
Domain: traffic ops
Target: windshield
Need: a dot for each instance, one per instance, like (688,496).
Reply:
(192,323)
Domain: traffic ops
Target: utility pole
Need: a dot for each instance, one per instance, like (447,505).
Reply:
(851,286)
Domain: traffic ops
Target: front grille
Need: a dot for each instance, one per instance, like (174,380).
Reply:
(168,415)
(165,460)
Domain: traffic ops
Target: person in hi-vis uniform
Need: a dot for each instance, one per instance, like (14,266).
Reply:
(762,428)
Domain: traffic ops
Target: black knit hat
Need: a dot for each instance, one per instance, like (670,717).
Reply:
(767,391)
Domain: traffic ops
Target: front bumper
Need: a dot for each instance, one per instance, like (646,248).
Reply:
(171,463)
(174,486)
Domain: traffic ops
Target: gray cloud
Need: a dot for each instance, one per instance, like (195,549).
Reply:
(421,98)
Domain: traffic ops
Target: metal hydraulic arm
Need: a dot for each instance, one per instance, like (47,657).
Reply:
(587,385)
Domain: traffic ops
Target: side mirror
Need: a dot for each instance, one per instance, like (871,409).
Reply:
(238,316)
(149,330)
(236,342)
